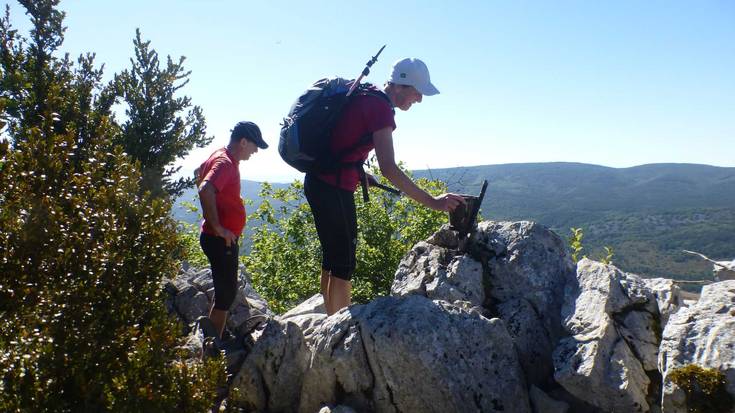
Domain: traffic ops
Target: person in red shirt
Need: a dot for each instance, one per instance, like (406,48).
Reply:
(331,195)
(218,180)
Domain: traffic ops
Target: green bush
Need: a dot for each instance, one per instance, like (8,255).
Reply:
(82,255)
(83,321)
(285,256)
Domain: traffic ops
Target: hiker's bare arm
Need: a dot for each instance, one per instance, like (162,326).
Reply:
(208,199)
(197,178)
(383,140)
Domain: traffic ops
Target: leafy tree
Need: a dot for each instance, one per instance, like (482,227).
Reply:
(156,132)
(285,261)
(82,253)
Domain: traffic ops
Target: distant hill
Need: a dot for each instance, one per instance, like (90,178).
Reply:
(647,213)
(248,190)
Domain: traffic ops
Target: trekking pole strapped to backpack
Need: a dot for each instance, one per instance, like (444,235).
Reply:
(365,71)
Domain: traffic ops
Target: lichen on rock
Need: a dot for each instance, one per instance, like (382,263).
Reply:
(705,389)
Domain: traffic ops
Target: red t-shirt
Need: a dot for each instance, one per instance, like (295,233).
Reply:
(221,170)
(364,115)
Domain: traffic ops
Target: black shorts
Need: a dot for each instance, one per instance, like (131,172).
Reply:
(336,224)
(223,261)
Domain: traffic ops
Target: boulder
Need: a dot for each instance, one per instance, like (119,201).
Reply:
(307,315)
(701,335)
(270,378)
(669,296)
(612,318)
(514,270)
(527,268)
(413,354)
(312,305)
(438,273)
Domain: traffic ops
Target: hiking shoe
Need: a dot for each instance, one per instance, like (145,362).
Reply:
(210,347)
(206,326)
(211,344)
(227,335)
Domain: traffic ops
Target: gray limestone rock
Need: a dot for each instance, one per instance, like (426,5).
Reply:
(192,291)
(413,354)
(436,272)
(591,338)
(312,305)
(530,337)
(542,403)
(668,296)
(611,317)
(307,315)
(528,268)
(270,378)
(704,335)
(514,270)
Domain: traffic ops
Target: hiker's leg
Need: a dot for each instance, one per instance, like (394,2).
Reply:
(336,225)
(223,261)
(344,266)
(339,294)
(325,290)
(219,319)
(322,201)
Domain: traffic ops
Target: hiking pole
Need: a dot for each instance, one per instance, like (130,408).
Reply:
(365,71)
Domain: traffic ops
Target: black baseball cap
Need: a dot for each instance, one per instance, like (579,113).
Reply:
(250,131)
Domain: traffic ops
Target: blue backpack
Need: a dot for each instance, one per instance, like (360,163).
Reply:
(306,131)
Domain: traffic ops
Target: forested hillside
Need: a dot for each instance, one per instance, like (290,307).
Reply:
(647,213)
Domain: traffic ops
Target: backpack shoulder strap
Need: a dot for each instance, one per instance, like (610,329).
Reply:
(367,89)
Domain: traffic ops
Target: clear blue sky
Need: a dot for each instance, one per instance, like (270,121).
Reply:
(617,83)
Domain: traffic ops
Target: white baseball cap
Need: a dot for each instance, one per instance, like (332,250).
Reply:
(413,72)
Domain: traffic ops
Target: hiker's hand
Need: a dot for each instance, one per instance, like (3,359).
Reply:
(447,202)
(227,235)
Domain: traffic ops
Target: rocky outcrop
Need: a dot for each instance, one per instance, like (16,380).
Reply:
(391,355)
(190,296)
(271,377)
(612,318)
(542,403)
(703,335)
(437,272)
(504,322)
(307,315)
(411,354)
(669,297)
(515,271)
